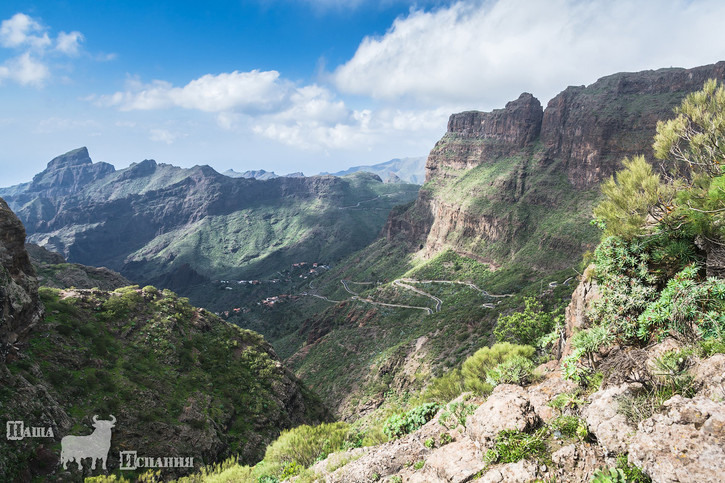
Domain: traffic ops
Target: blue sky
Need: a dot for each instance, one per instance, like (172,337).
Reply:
(305,85)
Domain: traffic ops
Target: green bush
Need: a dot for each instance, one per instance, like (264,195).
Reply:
(632,474)
(709,347)
(631,197)
(305,444)
(512,446)
(609,475)
(686,306)
(456,414)
(514,370)
(399,425)
(475,369)
(585,345)
(445,388)
(525,327)
(570,427)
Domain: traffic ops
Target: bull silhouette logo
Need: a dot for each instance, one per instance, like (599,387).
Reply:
(95,446)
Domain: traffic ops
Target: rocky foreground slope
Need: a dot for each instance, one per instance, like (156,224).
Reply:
(178,380)
(579,433)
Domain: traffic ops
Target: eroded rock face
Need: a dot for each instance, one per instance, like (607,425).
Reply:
(581,136)
(500,132)
(592,128)
(685,443)
(710,376)
(508,407)
(20,307)
(576,312)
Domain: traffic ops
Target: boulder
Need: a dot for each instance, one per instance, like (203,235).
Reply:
(612,429)
(520,472)
(710,377)
(508,407)
(684,443)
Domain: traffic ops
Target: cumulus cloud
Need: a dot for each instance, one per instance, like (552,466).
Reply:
(163,136)
(69,43)
(245,91)
(21,30)
(25,70)
(29,36)
(482,53)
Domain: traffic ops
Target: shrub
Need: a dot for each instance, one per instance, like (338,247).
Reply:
(476,367)
(570,427)
(708,347)
(632,474)
(305,444)
(399,425)
(525,327)
(445,388)
(512,446)
(631,197)
(455,414)
(643,405)
(609,475)
(685,306)
(514,370)
(671,370)
(586,344)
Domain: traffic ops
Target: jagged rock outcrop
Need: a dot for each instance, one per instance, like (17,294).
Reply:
(508,407)
(611,428)
(575,316)
(65,175)
(20,308)
(592,128)
(475,137)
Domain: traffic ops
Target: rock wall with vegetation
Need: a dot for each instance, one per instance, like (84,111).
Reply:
(20,308)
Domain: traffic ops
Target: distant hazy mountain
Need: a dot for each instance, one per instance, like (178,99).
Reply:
(181,228)
(406,170)
(260,174)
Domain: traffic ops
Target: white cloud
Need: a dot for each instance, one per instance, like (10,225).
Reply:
(69,43)
(21,30)
(244,91)
(163,136)
(27,35)
(25,70)
(487,52)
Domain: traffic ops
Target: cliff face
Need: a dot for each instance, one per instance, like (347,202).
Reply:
(592,128)
(517,184)
(474,137)
(20,308)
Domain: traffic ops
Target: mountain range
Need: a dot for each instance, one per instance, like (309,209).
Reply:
(375,295)
(183,228)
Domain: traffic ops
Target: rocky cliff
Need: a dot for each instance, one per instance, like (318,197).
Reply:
(20,308)
(516,184)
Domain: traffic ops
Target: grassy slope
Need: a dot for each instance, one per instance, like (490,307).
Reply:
(355,353)
(179,380)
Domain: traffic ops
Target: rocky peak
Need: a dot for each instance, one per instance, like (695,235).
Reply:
(66,174)
(76,157)
(517,124)
(20,307)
